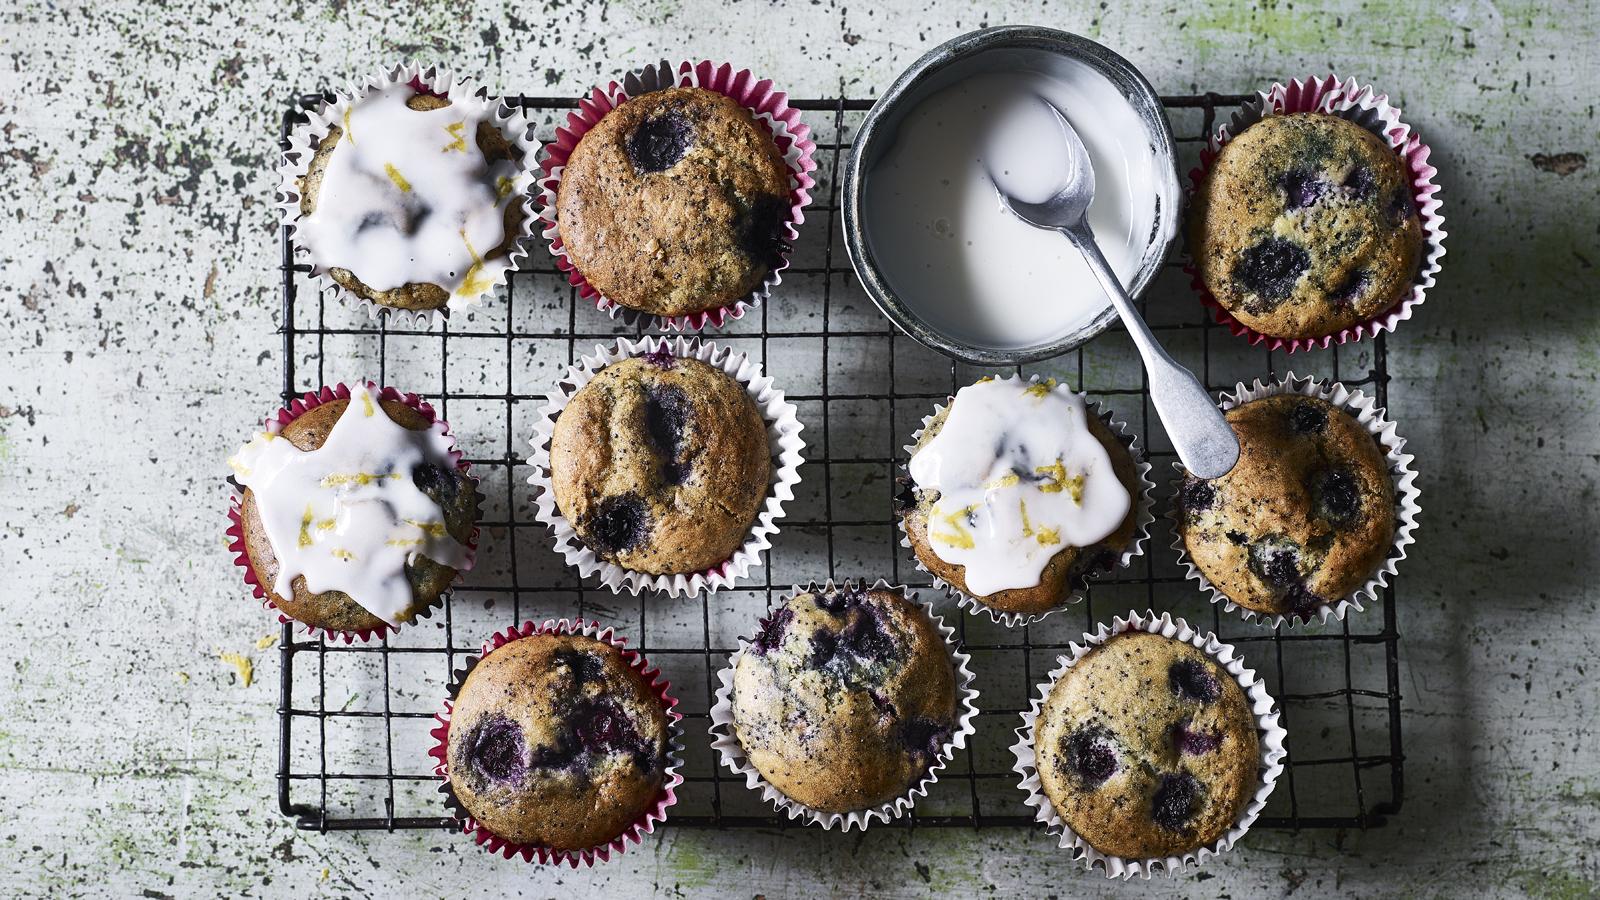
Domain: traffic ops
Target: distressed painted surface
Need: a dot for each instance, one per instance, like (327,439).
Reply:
(136,310)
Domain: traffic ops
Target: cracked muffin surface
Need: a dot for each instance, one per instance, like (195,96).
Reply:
(1305,226)
(661,464)
(675,202)
(1305,517)
(555,741)
(1147,747)
(844,698)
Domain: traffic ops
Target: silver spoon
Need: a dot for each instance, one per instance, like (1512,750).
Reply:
(1204,441)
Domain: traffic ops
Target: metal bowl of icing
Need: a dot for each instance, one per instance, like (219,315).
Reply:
(942,264)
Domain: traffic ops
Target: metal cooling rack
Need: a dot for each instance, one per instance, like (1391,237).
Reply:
(353,720)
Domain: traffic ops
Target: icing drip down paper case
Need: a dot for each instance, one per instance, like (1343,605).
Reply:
(1020,476)
(347,516)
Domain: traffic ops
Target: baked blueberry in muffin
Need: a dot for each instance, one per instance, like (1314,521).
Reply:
(844,698)
(1305,517)
(1146,747)
(556,742)
(1305,226)
(675,202)
(661,464)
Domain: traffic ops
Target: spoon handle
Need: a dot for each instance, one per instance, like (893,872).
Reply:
(1205,442)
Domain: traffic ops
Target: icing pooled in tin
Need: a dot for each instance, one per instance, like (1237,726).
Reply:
(409,198)
(1020,477)
(348,515)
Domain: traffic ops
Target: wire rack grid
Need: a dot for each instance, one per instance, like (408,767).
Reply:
(353,719)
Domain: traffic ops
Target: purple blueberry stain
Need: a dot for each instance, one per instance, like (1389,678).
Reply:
(866,637)
(666,415)
(619,524)
(1090,755)
(1196,495)
(772,631)
(440,484)
(1401,207)
(1276,561)
(1302,603)
(839,600)
(659,142)
(1337,496)
(1176,801)
(924,738)
(760,230)
(1270,269)
(1302,188)
(824,647)
(661,357)
(585,668)
(1195,742)
(1360,183)
(1352,287)
(1190,680)
(497,751)
(1307,418)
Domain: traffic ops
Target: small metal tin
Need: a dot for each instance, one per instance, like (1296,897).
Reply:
(972,54)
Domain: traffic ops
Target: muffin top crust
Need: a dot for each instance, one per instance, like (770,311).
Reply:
(1146,747)
(661,464)
(555,741)
(844,698)
(675,202)
(1306,225)
(1305,517)
(413,201)
(354,515)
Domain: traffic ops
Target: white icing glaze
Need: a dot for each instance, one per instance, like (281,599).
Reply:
(347,515)
(408,197)
(1020,476)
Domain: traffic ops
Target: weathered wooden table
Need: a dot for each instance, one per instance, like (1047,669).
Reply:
(139,309)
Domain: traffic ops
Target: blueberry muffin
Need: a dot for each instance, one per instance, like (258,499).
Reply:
(1067,571)
(404,214)
(1306,226)
(675,202)
(845,698)
(1305,517)
(452,489)
(556,742)
(1147,748)
(661,464)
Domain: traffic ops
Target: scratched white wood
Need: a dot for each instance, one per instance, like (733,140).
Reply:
(137,303)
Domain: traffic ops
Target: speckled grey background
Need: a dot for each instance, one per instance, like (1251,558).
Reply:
(137,309)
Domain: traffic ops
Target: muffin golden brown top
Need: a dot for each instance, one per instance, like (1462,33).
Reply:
(1147,747)
(661,464)
(675,202)
(845,698)
(1306,226)
(1067,570)
(452,489)
(1305,517)
(555,742)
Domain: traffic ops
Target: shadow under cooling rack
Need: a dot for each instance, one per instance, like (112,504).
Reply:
(354,720)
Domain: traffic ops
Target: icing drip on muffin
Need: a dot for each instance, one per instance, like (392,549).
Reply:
(409,198)
(1019,476)
(351,515)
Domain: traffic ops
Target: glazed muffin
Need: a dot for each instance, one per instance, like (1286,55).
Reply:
(661,464)
(675,202)
(845,698)
(1146,747)
(1305,226)
(1069,567)
(423,532)
(383,224)
(1305,517)
(556,742)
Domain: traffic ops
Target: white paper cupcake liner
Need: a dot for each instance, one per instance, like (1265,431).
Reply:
(1372,417)
(1144,515)
(1271,736)
(769,106)
(733,755)
(671,776)
(783,441)
(303,141)
(1364,106)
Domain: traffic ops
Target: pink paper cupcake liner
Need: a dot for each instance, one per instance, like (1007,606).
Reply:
(634,834)
(1371,110)
(275,423)
(771,109)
